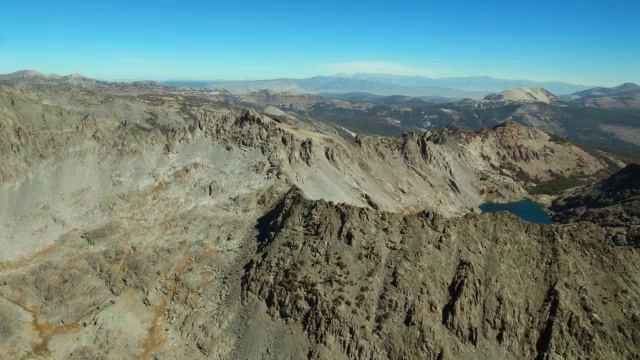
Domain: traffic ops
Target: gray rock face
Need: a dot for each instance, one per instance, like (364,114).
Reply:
(371,284)
(165,227)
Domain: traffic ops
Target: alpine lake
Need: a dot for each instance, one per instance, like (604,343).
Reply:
(527,210)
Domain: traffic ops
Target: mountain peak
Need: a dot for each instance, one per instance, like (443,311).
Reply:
(627,87)
(524,94)
(625,96)
(21,74)
(77,76)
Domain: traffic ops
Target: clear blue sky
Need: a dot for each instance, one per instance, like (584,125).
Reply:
(589,42)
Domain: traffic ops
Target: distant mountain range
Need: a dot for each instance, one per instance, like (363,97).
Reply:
(601,117)
(430,89)
(611,128)
(484,84)
(381,84)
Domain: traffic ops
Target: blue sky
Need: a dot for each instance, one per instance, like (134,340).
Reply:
(588,42)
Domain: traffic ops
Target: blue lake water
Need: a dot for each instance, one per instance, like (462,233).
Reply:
(525,209)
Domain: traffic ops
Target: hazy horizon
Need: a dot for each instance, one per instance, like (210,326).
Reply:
(338,75)
(576,42)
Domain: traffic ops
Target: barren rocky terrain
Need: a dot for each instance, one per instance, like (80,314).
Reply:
(165,226)
(613,202)
(614,128)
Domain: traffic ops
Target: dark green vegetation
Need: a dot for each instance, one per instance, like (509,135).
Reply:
(525,209)
(559,184)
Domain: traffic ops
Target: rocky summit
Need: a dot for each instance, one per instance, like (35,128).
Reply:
(163,224)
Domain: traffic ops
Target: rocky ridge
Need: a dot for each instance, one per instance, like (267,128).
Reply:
(625,96)
(613,202)
(376,285)
(165,226)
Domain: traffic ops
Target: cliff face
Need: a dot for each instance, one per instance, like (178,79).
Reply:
(613,202)
(371,284)
(172,227)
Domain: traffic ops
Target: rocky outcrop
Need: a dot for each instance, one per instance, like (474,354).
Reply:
(372,285)
(538,155)
(613,203)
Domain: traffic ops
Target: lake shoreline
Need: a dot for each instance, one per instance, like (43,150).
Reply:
(527,210)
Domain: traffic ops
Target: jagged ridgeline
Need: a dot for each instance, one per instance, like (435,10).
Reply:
(171,226)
